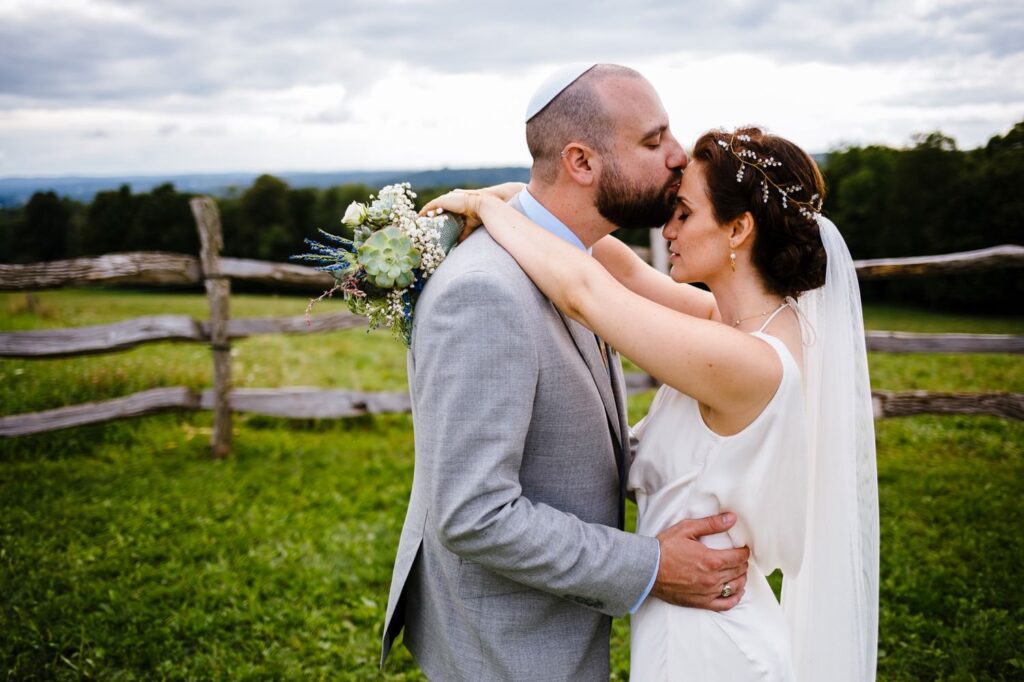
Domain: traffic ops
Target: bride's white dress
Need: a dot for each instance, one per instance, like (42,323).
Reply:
(683,470)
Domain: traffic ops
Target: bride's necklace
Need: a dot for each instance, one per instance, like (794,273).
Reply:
(764,314)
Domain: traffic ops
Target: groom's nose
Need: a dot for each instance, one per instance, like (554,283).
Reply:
(676,158)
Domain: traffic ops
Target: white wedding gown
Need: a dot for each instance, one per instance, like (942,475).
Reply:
(683,470)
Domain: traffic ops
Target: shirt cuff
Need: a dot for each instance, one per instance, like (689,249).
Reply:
(650,585)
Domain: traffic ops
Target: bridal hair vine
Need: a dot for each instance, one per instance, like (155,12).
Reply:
(809,209)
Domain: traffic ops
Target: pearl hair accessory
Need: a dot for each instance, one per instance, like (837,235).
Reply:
(809,209)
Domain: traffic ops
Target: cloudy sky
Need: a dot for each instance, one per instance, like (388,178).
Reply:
(159,86)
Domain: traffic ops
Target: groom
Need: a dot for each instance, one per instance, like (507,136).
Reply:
(512,560)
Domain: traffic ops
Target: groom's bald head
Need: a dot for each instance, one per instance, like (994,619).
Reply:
(577,114)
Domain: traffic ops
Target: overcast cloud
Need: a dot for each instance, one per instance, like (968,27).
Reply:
(117,86)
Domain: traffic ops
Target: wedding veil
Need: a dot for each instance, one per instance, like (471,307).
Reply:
(831,605)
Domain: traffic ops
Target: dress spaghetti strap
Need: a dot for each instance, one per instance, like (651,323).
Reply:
(772,317)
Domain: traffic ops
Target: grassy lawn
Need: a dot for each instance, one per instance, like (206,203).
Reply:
(126,554)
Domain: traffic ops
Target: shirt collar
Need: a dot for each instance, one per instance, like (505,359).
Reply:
(546,219)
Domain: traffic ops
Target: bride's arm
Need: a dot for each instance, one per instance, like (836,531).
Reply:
(632,272)
(726,369)
(505,190)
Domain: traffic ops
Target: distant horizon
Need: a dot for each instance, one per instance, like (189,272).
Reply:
(817,155)
(330,171)
(16,191)
(428,168)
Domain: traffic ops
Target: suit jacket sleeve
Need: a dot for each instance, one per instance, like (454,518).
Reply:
(475,381)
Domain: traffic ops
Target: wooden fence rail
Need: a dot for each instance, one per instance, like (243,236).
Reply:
(912,342)
(125,335)
(314,403)
(1005,256)
(215,272)
(160,268)
(890,404)
(154,268)
(292,403)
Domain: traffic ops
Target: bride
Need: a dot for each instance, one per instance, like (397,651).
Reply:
(765,408)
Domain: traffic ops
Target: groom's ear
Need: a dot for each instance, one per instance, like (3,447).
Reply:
(580,163)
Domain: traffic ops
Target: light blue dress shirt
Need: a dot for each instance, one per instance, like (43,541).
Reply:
(546,219)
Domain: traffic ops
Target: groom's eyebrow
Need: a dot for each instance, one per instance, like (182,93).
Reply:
(654,131)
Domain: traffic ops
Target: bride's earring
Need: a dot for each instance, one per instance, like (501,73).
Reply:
(732,260)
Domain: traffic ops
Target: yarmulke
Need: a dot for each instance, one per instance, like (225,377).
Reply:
(553,86)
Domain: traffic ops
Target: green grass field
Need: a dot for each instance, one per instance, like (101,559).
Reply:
(126,554)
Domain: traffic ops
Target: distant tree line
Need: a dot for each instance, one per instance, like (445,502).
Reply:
(933,198)
(266,221)
(926,199)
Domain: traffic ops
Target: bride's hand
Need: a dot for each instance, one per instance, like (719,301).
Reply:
(465,203)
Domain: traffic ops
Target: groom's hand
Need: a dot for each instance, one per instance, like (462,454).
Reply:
(691,574)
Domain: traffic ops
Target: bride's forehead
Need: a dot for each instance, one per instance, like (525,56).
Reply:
(693,175)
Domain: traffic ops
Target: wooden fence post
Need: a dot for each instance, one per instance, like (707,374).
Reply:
(659,251)
(218,292)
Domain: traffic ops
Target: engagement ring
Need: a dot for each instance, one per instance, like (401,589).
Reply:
(727,591)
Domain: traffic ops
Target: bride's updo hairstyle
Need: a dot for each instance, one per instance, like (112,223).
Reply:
(781,186)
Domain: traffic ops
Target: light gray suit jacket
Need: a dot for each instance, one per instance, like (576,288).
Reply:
(511,562)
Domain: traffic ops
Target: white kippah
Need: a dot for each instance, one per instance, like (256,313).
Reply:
(553,86)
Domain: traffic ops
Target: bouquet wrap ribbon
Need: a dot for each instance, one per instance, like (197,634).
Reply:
(450,226)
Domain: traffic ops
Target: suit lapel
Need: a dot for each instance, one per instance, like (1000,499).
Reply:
(618,383)
(586,344)
(623,453)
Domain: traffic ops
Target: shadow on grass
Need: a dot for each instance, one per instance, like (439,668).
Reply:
(361,423)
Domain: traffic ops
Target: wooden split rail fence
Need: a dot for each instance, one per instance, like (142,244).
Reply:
(156,268)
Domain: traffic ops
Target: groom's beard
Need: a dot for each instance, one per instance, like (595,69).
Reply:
(630,206)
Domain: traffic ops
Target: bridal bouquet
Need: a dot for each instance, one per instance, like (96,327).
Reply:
(382,269)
